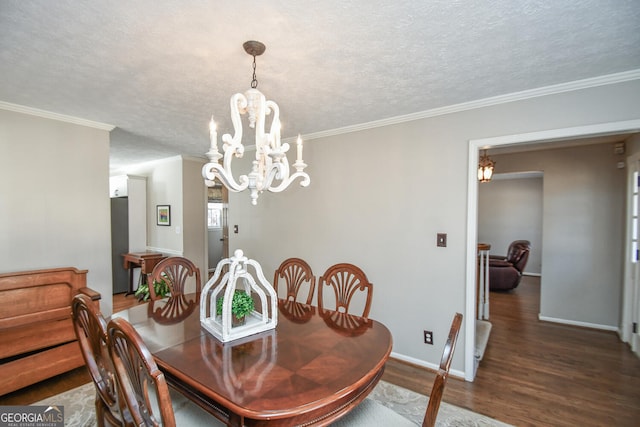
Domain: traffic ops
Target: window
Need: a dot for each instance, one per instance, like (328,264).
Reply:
(214,215)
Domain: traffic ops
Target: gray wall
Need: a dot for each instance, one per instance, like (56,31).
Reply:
(194,225)
(508,210)
(379,196)
(583,230)
(54,198)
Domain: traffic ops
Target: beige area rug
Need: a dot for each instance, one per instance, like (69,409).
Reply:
(79,405)
(79,408)
(413,406)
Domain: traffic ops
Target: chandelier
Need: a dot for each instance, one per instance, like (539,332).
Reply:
(270,169)
(485,168)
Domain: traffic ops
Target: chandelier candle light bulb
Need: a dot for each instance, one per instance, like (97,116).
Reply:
(213,154)
(299,142)
(270,170)
(213,135)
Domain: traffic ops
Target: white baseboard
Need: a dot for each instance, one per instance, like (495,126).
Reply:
(425,364)
(164,251)
(576,323)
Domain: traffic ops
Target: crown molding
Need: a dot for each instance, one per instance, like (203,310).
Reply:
(55,116)
(486,102)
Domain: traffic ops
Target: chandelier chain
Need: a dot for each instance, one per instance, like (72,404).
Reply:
(254,81)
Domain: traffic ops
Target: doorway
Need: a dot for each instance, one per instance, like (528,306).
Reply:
(509,209)
(217,228)
(631,299)
(552,136)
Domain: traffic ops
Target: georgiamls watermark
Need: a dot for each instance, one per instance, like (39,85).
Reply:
(32,416)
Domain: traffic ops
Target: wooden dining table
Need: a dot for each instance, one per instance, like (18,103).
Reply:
(313,368)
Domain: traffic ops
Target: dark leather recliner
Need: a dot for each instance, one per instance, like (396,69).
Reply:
(505,272)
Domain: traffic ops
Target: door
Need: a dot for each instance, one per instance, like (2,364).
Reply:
(217,229)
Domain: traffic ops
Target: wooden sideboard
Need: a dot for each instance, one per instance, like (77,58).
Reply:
(36,330)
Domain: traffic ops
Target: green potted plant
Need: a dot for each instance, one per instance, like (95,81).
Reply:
(161,287)
(241,305)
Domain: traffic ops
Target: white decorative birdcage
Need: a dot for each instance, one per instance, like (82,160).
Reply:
(237,277)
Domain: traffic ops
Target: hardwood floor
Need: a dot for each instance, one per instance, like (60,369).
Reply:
(533,373)
(541,374)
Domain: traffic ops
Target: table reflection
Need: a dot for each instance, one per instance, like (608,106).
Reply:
(173,310)
(346,324)
(295,311)
(241,366)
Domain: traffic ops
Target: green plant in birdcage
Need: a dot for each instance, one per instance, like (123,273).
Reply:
(161,287)
(241,304)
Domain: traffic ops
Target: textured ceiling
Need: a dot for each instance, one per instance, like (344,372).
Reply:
(157,70)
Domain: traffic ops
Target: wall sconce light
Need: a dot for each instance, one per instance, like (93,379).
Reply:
(485,168)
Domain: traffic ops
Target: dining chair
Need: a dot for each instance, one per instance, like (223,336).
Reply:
(175,271)
(370,413)
(91,330)
(143,385)
(345,280)
(295,274)
(435,397)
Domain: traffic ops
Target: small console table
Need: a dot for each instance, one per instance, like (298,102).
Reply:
(146,261)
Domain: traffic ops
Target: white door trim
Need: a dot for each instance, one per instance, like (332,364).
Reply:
(475,145)
(631,294)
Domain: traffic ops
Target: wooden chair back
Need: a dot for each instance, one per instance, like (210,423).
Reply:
(295,273)
(176,271)
(137,374)
(435,397)
(345,280)
(91,330)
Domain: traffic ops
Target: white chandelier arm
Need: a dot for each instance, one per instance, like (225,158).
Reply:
(274,131)
(288,180)
(232,146)
(277,171)
(211,171)
(238,105)
(225,171)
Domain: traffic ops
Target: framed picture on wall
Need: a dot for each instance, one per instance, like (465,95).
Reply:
(163,215)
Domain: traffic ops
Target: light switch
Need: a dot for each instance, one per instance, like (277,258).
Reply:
(442,240)
(235,229)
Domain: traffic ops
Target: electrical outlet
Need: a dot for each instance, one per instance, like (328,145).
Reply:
(428,337)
